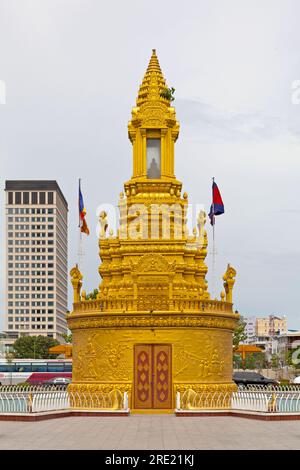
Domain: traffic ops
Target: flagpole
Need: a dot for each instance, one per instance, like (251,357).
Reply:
(79,187)
(80,248)
(213,247)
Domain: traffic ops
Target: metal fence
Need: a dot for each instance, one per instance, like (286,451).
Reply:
(38,400)
(31,388)
(256,399)
(276,388)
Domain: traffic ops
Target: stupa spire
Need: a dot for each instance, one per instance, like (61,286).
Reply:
(153,83)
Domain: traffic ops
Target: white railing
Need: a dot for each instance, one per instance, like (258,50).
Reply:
(37,401)
(256,400)
(14,403)
(267,388)
(49,401)
(250,401)
(30,388)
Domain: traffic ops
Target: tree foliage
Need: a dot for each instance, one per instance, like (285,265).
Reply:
(239,334)
(92,295)
(67,338)
(252,361)
(293,358)
(168,93)
(275,361)
(34,347)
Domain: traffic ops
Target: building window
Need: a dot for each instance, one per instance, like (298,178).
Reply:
(34,198)
(10,198)
(153,159)
(50,198)
(42,198)
(18,198)
(26,198)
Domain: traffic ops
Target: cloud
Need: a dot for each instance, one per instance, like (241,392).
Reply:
(217,124)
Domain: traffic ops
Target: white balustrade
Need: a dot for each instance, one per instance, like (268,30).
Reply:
(37,399)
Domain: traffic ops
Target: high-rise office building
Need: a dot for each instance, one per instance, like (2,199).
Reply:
(36,258)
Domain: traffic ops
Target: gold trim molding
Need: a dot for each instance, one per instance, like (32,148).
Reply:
(156,320)
(208,387)
(105,387)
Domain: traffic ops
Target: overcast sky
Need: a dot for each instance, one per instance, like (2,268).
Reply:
(72,71)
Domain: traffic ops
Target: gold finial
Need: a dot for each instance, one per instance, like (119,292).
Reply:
(201,221)
(103,224)
(153,83)
(229,280)
(76,279)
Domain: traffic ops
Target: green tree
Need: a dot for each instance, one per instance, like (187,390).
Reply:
(237,361)
(67,338)
(275,361)
(92,295)
(34,347)
(250,362)
(9,356)
(260,360)
(168,93)
(292,357)
(239,334)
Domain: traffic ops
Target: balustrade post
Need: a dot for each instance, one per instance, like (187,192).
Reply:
(178,400)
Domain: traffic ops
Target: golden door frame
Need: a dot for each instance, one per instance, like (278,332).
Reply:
(152,391)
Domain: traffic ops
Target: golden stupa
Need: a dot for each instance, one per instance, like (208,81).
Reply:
(153,329)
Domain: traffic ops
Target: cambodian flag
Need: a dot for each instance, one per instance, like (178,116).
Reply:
(217,207)
(82,212)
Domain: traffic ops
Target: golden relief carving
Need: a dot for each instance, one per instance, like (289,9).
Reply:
(152,302)
(93,358)
(152,262)
(204,358)
(152,280)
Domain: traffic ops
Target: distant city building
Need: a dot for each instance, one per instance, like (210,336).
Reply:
(289,341)
(36,258)
(6,342)
(250,329)
(271,326)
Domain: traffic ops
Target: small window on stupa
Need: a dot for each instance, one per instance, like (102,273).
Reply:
(153,159)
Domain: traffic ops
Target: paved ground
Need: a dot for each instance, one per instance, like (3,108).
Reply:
(150,432)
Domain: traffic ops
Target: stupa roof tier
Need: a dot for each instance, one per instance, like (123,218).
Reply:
(153,83)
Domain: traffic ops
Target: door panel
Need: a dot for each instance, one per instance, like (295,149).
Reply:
(152,376)
(162,376)
(143,375)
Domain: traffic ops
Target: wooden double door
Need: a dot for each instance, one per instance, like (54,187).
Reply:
(152,376)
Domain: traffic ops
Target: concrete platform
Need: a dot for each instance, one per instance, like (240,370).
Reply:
(150,432)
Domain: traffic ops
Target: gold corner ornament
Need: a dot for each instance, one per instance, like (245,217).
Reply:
(229,280)
(153,315)
(76,279)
